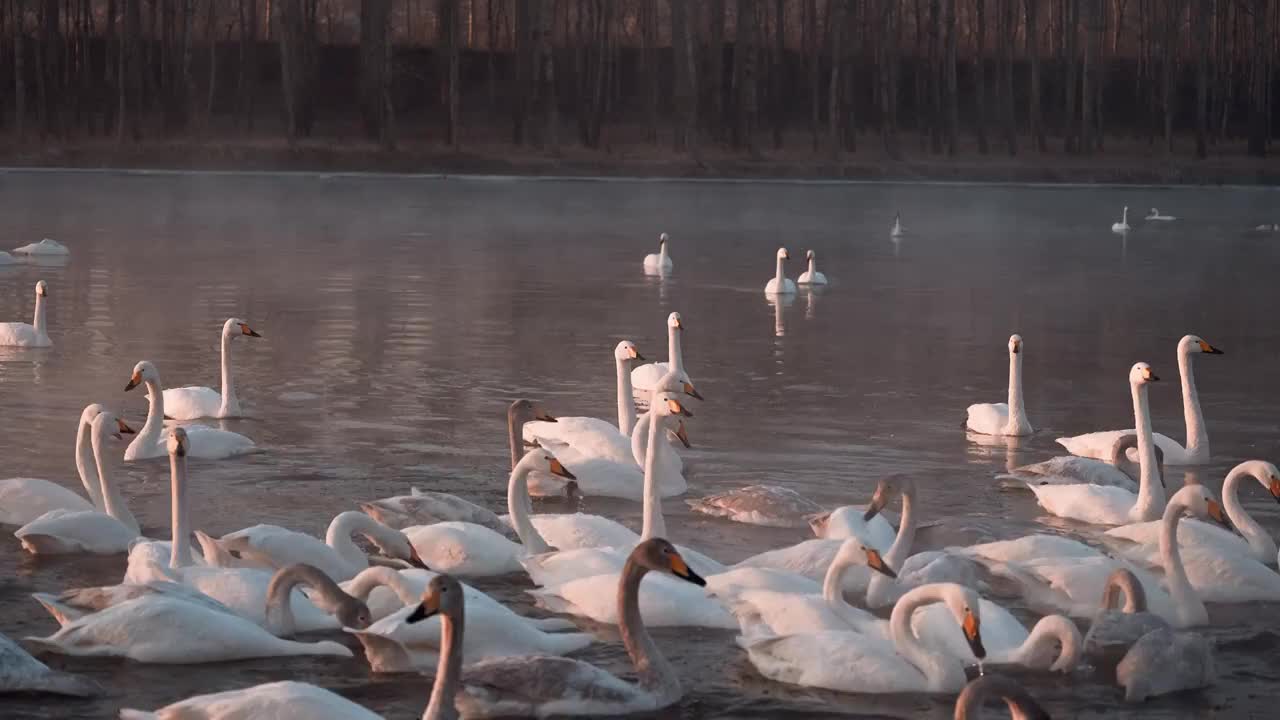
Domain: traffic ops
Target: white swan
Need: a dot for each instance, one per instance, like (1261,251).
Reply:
(1022,706)
(1163,662)
(645,379)
(1118,471)
(780,284)
(812,276)
(19,672)
(853,521)
(1123,225)
(287,700)
(1155,215)
(767,505)
(110,531)
(854,662)
(25,499)
(1115,630)
(1268,227)
(1097,444)
(16,334)
(1007,418)
(897,230)
(1053,644)
(44,247)
(205,442)
(658,263)
(1107,505)
(193,402)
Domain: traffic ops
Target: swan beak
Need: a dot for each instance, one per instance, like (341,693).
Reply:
(1274,486)
(635,355)
(1207,348)
(675,408)
(561,470)
(683,435)
(1017,348)
(246,330)
(1149,376)
(134,382)
(545,416)
(429,607)
(973,635)
(44,292)
(878,501)
(691,391)
(415,560)
(876,562)
(681,569)
(125,429)
(1215,512)
(679,324)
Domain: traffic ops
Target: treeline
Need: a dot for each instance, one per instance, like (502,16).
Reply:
(689,74)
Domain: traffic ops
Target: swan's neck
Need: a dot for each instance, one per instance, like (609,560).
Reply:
(640,439)
(518,504)
(655,673)
(448,668)
(1124,217)
(339,535)
(675,358)
(1260,542)
(180,546)
(280,592)
(230,404)
(362,585)
(778,276)
(1017,410)
(626,405)
(833,584)
(38,322)
(880,590)
(813,266)
(1197,435)
(112,501)
(1051,631)
(1135,597)
(1151,496)
(150,433)
(940,673)
(654,524)
(1187,603)
(514,438)
(663,255)
(85,465)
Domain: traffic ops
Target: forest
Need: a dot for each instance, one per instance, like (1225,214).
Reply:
(749,77)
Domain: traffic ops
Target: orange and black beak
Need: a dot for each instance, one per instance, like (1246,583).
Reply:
(1274,487)
(246,330)
(635,355)
(675,408)
(124,428)
(691,391)
(973,635)
(878,502)
(1149,375)
(681,569)
(428,608)
(1207,348)
(877,563)
(560,470)
(1218,516)
(134,382)
(683,435)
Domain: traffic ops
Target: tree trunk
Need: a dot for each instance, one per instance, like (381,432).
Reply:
(450,33)
(778,102)
(1086,94)
(888,62)
(375,71)
(648,59)
(953,109)
(1034,112)
(1007,105)
(744,77)
(935,76)
(1258,130)
(1070,15)
(1172,20)
(717,119)
(813,48)
(686,77)
(980,77)
(19,69)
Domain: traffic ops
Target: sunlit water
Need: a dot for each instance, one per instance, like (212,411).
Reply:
(401,316)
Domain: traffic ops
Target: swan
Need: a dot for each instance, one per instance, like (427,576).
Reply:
(61,532)
(25,499)
(1252,541)
(16,334)
(645,378)
(1123,225)
(767,505)
(1163,662)
(44,247)
(1268,227)
(658,263)
(1022,706)
(1106,505)
(780,284)
(853,521)
(1052,645)
(336,556)
(1155,215)
(1118,471)
(849,661)
(1004,418)
(583,433)
(1115,630)
(897,230)
(286,700)
(205,442)
(193,402)
(19,672)
(812,276)
(1097,444)
(424,507)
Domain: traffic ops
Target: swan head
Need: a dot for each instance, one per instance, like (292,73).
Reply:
(353,612)
(677,381)
(1201,502)
(626,350)
(90,412)
(540,459)
(42,290)
(106,425)
(1141,374)
(442,597)
(659,555)
(143,372)
(1022,706)
(662,240)
(1192,343)
(668,405)
(235,326)
(523,411)
(887,489)
(808,255)
(1015,344)
(783,254)
(675,322)
(853,552)
(177,443)
(964,606)
(1264,472)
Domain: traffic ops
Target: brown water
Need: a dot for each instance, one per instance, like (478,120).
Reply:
(400,317)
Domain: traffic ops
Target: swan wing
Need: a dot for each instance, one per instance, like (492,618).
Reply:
(464,549)
(25,499)
(191,402)
(988,418)
(1094,504)
(18,334)
(810,558)
(767,505)
(286,700)
(543,686)
(841,661)
(846,522)
(580,530)
(60,532)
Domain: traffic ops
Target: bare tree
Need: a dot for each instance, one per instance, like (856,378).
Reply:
(953,109)
(375,70)
(980,76)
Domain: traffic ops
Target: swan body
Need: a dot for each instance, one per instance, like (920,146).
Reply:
(1196,452)
(1157,216)
(465,550)
(658,263)
(193,402)
(19,672)
(1123,225)
(44,247)
(1163,662)
(1268,227)
(897,230)
(767,505)
(812,276)
(424,507)
(645,378)
(809,558)
(851,521)
(6,259)
(1075,470)
(206,442)
(780,284)
(17,334)
(286,700)
(1008,418)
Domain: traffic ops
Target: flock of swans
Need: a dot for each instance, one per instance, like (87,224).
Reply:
(1144,559)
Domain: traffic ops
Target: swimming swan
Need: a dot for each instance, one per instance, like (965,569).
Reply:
(780,284)
(767,505)
(1118,471)
(645,379)
(46,246)
(16,334)
(1007,418)
(205,442)
(1123,225)
(897,230)
(1115,629)
(658,263)
(192,402)
(1165,661)
(1155,215)
(812,276)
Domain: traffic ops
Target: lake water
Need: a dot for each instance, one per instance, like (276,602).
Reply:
(401,316)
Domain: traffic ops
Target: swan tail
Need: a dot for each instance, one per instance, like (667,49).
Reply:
(552,624)
(62,613)
(61,683)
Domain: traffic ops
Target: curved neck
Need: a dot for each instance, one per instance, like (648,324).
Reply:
(362,585)
(230,404)
(448,668)
(937,669)
(342,527)
(1151,496)
(833,584)
(281,588)
(85,464)
(1017,411)
(654,524)
(1124,217)
(675,358)
(38,322)
(1197,435)
(518,504)
(515,440)
(626,405)
(1263,546)
(180,545)
(653,670)
(112,502)
(813,265)
(1187,603)
(880,590)
(1048,634)
(778,275)
(1135,597)
(150,433)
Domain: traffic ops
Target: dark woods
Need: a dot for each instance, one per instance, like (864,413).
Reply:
(938,76)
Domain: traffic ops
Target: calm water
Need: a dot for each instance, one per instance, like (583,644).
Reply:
(401,316)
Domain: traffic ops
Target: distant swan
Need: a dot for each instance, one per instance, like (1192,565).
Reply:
(1007,418)
(44,247)
(1155,215)
(658,263)
(1268,227)
(1123,225)
(36,334)
(192,402)
(206,442)
(897,230)
(780,284)
(812,276)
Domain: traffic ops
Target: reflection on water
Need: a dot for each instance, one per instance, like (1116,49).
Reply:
(400,317)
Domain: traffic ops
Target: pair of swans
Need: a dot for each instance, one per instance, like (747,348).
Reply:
(1007,418)
(1196,452)
(18,334)
(658,263)
(194,402)
(509,686)
(205,442)
(780,284)
(1123,225)
(645,379)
